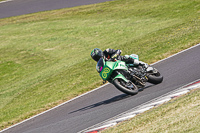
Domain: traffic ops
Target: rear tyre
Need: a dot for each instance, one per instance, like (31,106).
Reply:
(128,88)
(155,78)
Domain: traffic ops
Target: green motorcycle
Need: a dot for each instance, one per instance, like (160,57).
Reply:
(127,77)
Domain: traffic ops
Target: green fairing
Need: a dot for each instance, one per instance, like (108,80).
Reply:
(109,67)
(120,76)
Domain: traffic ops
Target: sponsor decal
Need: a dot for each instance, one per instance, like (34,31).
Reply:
(105,72)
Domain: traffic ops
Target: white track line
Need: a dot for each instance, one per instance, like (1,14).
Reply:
(5,1)
(53,108)
(88,92)
(176,54)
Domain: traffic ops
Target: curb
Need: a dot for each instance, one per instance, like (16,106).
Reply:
(142,108)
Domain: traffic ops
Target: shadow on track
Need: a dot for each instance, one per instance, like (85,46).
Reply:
(111,100)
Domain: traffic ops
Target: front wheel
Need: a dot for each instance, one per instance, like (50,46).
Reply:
(128,88)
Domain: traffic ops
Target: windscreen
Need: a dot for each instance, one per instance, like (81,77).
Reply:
(100,65)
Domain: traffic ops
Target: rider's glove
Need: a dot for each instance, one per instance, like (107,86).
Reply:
(116,54)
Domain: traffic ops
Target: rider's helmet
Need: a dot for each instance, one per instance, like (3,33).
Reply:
(96,54)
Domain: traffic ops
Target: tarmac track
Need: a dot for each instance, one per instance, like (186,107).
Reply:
(106,102)
(21,7)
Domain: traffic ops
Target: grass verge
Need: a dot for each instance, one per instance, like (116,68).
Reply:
(178,115)
(45,57)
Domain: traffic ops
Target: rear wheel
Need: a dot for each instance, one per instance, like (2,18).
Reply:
(128,88)
(155,78)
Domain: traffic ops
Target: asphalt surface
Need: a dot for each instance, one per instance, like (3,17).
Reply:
(20,7)
(108,102)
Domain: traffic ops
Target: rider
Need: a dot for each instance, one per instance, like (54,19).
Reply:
(111,54)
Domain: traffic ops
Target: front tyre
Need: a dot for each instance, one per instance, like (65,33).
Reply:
(128,88)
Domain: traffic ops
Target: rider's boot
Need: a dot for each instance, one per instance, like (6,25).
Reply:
(140,63)
(145,65)
(135,62)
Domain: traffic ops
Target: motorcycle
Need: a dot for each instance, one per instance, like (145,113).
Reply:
(127,77)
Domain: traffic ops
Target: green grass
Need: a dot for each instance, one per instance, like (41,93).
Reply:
(180,115)
(45,57)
